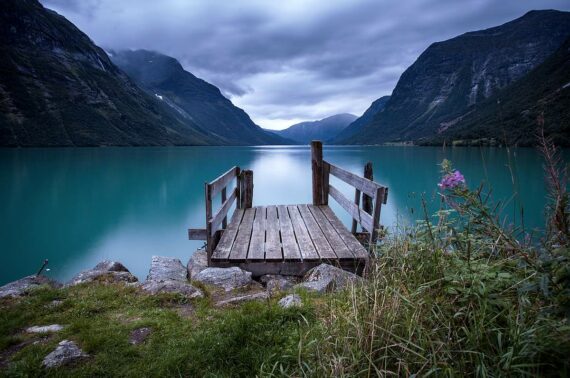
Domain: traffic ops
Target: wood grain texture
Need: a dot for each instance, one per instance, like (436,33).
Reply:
(333,238)
(257,244)
(226,243)
(241,244)
(319,240)
(351,242)
(222,181)
(306,246)
(222,212)
(273,241)
(364,185)
(288,242)
(317,170)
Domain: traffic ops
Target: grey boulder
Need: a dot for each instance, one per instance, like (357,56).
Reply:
(45,329)
(65,353)
(197,263)
(326,278)
(292,300)
(168,275)
(106,271)
(226,278)
(277,283)
(25,285)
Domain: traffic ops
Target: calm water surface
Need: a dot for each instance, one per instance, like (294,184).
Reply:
(76,207)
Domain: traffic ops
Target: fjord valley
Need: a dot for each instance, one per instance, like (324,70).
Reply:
(306,189)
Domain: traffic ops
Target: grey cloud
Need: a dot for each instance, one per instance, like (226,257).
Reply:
(299,59)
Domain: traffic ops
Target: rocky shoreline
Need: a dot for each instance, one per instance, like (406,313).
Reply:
(224,286)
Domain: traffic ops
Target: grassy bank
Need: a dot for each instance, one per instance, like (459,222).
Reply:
(457,294)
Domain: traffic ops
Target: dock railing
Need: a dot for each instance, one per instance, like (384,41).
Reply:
(241,194)
(373,194)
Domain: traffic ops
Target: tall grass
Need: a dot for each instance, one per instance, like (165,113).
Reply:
(458,294)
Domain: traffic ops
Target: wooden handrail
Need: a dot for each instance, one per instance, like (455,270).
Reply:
(222,213)
(357,213)
(364,185)
(222,181)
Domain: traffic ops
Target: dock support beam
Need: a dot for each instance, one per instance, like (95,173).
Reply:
(317,167)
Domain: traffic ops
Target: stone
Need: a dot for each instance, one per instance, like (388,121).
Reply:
(65,353)
(226,278)
(165,269)
(276,283)
(45,329)
(262,295)
(325,278)
(292,300)
(168,275)
(197,263)
(105,271)
(171,286)
(25,285)
(55,303)
(139,335)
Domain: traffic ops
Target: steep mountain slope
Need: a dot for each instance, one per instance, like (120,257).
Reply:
(324,129)
(451,78)
(367,117)
(511,115)
(57,88)
(195,99)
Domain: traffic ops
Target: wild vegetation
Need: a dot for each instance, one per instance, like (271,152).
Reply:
(458,293)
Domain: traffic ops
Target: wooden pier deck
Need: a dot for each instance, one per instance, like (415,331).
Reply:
(291,239)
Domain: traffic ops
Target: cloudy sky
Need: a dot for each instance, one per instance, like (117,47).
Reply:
(293,60)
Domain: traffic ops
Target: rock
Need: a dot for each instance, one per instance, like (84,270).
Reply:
(197,263)
(292,300)
(168,275)
(105,271)
(263,295)
(139,335)
(25,285)
(65,353)
(45,329)
(110,266)
(55,303)
(325,277)
(165,269)
(177,287)
(277,283)
(226,278)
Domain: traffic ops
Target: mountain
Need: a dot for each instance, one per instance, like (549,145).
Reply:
(367,117)
(511,115)
(57,88)
(193,98)
(451,78)
(324,129)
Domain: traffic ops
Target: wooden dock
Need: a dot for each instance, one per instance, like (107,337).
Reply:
(291,239)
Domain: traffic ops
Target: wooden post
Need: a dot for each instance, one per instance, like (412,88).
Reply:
(378,200)
(225,220)
(246,189)
(366,199)
(209,240)
(317,167)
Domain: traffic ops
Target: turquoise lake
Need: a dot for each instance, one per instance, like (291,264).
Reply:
(77,207)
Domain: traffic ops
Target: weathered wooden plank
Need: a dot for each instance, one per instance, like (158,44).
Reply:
(241,244)
(326,180)
(358,214)
(272,242)
(222,212)
(319,240)
(210,247)
(335,241)
(289,268)
(357,196)
(317,169)
(366,199)
(306,246)
(351,242)
(197,234)
(224,198)
(288,241)
(257,244)
(224,247)
(246,181)
(365,185)
(221,182)
(378,200)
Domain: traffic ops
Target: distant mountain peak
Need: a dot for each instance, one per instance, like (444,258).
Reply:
(324,129)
